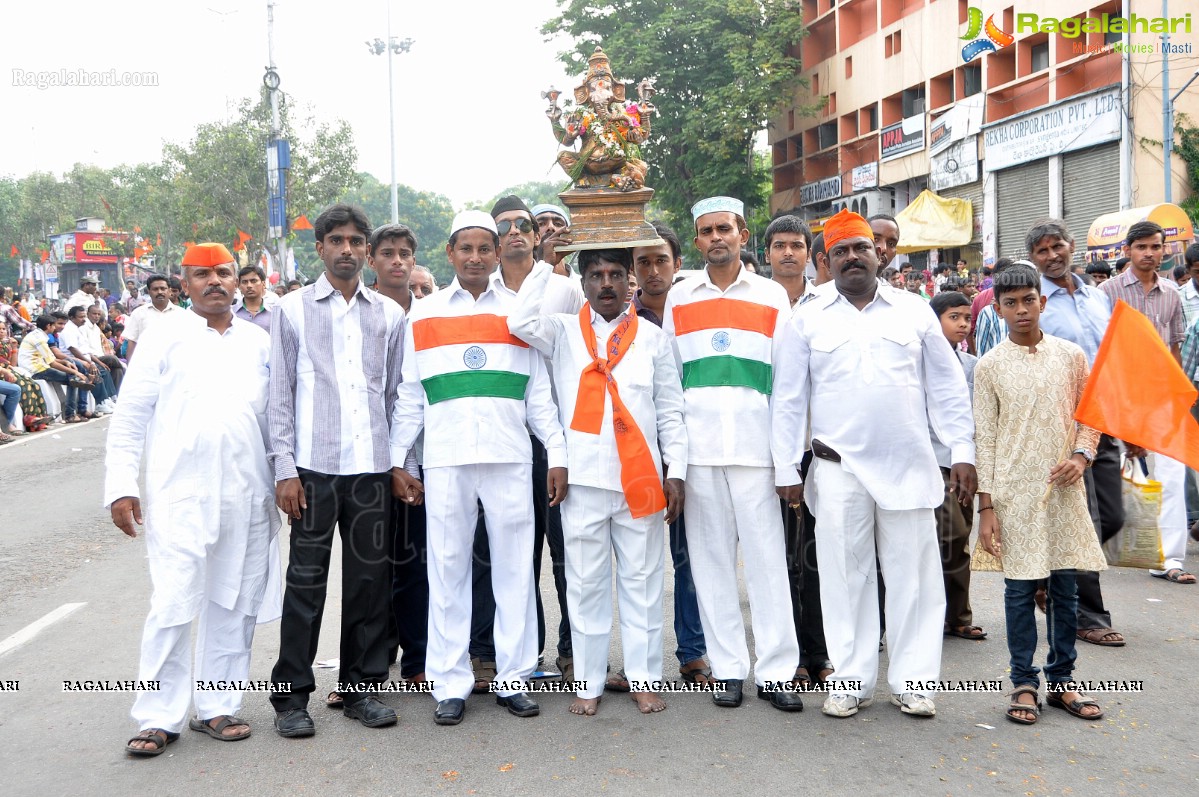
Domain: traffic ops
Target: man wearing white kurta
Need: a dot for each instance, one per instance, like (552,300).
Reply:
(608,508)
(472,387)
(195,402)
(871,367)
(724,323)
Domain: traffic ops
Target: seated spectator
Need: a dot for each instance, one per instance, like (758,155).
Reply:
(116,339)
(10,313)
(75,339)
(32,401)
(36,357)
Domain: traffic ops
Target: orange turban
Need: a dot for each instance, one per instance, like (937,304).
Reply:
(206,255)
(846,224)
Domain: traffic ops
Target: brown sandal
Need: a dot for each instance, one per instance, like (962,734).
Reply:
(485,673)
(697,672)
(1015,705)
(1074,707)
(158,736)
(218,731)
(617,681)
(1105,637)
(334,700)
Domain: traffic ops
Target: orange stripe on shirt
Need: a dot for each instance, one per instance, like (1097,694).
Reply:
(725,314)
(429,333)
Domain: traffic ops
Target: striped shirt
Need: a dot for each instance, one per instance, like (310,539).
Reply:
(335,366)
(1161,305)
(724,343)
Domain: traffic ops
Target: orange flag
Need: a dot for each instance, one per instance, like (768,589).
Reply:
(242,237)
(301,223)
(14,251)
(1137,391)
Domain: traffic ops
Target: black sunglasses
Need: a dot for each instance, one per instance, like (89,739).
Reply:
(524,225)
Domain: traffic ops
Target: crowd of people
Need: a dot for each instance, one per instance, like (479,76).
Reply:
(839,435)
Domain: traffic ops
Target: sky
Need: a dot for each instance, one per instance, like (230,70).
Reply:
(470,120)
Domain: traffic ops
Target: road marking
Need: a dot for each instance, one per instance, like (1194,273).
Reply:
(37,626)
(50,433)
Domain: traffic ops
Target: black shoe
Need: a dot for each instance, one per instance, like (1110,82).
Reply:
(520,704)
(780,698)
(294,723)
(450,711)
(371,712)
(730,695)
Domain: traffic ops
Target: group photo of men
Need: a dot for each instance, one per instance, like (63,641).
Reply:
(823,437)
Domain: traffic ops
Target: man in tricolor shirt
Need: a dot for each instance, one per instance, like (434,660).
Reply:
(724,322)
(620,398)
(472,386)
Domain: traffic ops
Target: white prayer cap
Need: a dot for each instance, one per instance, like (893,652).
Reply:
(548,208)
(716,204)
(473,218)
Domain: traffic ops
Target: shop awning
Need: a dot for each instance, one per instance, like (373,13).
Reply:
(1107,233)
(933,222)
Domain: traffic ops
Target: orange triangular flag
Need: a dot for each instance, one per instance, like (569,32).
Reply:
(15,251)
(1137,391)
(301,223)
(242,237)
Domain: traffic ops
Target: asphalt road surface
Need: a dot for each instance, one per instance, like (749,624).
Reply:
(74,593)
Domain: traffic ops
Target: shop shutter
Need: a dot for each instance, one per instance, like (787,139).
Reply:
(1022,199)
(1090,188)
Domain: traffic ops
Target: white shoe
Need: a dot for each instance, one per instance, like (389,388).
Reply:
(915,704)
(842,705)
(110,404)
(102,409)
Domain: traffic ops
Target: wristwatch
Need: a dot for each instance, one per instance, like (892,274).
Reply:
(1087,455)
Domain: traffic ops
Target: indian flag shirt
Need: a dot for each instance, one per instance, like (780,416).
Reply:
(725,344)
(472,383)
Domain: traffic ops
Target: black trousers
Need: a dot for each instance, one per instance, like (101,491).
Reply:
(803,575)
(359,507)
(409,627)
(1106,502)
(547,525)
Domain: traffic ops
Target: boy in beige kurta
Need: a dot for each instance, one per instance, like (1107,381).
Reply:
(1031,457)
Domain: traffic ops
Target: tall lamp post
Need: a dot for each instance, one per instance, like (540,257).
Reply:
(1168,133)
(391,47)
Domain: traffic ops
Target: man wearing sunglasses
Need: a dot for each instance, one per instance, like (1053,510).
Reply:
(519,237)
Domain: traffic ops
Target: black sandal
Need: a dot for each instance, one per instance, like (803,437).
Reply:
(1074,707)
(217,731)
(158,736)
(334,700)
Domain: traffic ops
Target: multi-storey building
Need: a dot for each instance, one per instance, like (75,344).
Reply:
(1026,117)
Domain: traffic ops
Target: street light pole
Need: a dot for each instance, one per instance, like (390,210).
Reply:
(1169,133)
(391,47)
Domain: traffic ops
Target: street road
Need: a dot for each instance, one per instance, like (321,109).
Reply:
(58,548)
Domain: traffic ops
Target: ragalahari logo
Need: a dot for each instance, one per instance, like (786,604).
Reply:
(993,37)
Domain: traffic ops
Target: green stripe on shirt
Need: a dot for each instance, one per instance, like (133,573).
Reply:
(727,371)
(463,384)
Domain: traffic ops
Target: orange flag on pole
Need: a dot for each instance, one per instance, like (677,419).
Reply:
(301,223)
(242,237)
(1137,391)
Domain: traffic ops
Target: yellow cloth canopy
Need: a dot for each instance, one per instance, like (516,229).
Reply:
(932,222)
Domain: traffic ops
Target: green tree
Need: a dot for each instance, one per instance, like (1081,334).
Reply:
(1188,149)
(723,69)
(428,215)
(533,193)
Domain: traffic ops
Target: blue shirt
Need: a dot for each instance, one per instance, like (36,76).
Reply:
(1080,318)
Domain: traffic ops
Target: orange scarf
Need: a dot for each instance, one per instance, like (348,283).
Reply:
(638,476)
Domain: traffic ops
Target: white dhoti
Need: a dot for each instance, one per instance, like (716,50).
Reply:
(452,497)
(1173,518)
(595,524)
(724,506)
(223,639)
(853,530)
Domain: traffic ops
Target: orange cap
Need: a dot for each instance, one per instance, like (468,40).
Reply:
(845,224)
(206,255)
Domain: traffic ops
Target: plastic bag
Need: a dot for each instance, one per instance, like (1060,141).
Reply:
(1139,543)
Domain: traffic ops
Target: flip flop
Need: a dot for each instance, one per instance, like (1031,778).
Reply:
(693,671)
(966,632)
(334,700)
(160,738)
(1099,636)
(216,731)
(1174,575)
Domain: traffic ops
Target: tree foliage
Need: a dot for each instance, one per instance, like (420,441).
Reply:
(533,193)
(1188,149)
(723,69)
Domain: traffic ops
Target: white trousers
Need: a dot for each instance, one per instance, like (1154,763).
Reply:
(595,524)
(452,497)
(853,530)
(223,639)
(1173,518)
(724,506)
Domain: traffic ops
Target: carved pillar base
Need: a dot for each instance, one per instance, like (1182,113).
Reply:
(604,218)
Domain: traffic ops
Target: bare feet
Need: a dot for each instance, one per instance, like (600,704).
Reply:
(584,706)
(649,702)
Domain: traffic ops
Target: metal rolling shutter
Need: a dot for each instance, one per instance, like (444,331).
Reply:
(1022,197)
(1090,188)
(973,192)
